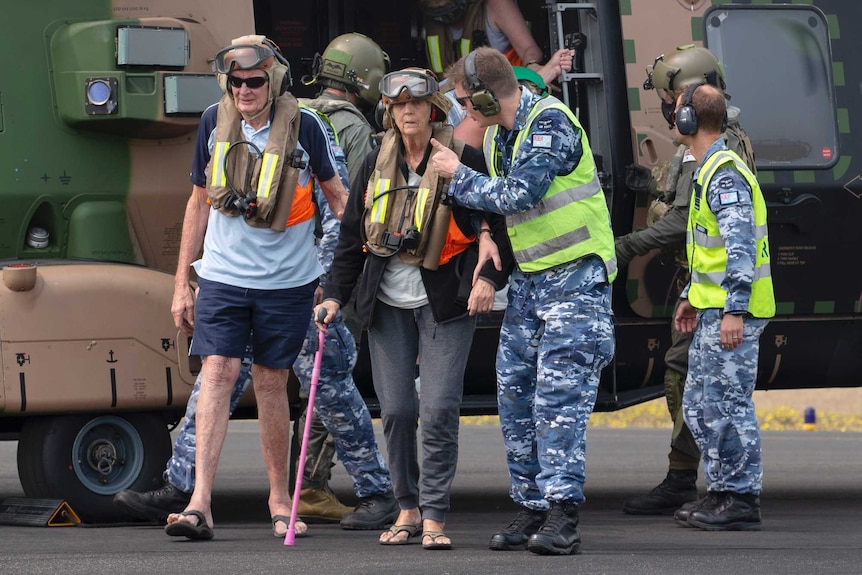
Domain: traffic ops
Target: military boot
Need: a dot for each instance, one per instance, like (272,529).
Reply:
(152,505)
(679,487)
(734,512)
(707,501)
(559,534)
(321,506)
(373,512)
(514,536)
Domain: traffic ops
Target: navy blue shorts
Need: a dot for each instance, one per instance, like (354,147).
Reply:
(276,321)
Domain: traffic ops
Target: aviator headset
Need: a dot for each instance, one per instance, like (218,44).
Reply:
(483,99)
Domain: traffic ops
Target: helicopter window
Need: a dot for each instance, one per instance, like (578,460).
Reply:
(787,110)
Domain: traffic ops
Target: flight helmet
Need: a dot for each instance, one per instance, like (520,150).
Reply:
(352,62)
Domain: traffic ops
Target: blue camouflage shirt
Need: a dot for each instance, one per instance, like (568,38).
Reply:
(730,199)
(330,225)
(529,174)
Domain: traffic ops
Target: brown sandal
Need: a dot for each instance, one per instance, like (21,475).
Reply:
(433,544)
(410,529)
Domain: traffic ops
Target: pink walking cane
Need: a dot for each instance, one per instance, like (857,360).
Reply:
(290,536)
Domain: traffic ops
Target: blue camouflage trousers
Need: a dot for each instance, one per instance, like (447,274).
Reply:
(718,405)
(557,335)
(338,404)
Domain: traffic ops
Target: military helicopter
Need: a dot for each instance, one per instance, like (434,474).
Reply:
(98,118)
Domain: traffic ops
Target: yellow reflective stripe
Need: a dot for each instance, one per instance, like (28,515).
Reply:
(219,152)
(267,172)
(378,208)
(419,211)
(434,56)
(465,46)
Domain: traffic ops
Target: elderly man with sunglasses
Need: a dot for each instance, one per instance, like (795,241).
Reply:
(252,212)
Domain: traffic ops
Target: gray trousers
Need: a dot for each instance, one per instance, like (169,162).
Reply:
(398,339)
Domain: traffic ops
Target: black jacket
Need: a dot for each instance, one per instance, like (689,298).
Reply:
(447,287)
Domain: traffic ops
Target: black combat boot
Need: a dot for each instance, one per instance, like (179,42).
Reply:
(711,499)
(373,512)
(734,512)
(515,535)
(153,505)
(679,487)
(559,534)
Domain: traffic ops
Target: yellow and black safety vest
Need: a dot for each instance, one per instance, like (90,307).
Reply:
(571,220)
(707,254)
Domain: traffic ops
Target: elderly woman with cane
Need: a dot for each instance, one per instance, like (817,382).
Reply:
(414,257)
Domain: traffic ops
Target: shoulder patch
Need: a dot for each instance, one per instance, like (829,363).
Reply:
(544,124)
(688,157)
(728,198)
(542,140)
(726,183)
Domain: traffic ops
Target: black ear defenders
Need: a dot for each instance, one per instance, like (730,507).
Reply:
(483,99)
(686,117)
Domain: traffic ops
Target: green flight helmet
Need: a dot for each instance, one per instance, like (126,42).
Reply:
(688,64)
(352,62)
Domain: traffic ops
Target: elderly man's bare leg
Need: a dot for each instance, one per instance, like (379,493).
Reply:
(218,375)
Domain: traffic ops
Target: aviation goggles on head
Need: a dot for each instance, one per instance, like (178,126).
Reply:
(418,84)
(242,56)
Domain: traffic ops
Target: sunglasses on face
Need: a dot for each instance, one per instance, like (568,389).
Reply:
(254,82)
(463,100)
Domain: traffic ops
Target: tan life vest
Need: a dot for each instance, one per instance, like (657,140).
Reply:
(272,180)
(440,238)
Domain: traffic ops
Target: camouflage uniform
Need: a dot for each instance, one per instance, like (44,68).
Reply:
(717,402)
(667,220)
(339,404)
(557,331)
(355,142)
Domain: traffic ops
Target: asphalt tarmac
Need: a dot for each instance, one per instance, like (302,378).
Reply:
(811,505)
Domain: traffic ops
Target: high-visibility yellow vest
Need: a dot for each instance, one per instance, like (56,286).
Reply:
(707,254)
(570,221)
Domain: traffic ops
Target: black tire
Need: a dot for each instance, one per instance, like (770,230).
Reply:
(86,459)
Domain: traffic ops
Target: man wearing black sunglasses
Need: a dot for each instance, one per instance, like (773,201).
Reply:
(339,405)
(252,211)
